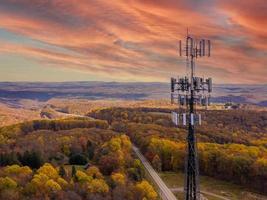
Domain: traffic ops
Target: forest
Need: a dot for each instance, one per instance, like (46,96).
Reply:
(76,158)
(91,157)
(232,144)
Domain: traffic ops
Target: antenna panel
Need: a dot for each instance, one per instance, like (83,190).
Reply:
(173,80)
(192,121)
(209,48)
(209,82)
(180,47)
(203,48)
(184,119)
(199,119)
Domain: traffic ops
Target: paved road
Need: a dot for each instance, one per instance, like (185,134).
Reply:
(165,192)
(202,192)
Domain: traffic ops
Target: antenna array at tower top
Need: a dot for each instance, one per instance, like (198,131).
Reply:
(195,48)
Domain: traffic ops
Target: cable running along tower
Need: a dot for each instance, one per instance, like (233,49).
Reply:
(189,91)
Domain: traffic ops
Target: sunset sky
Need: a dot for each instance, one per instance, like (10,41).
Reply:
(130,40)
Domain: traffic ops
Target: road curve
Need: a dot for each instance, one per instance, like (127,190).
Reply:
(165,192)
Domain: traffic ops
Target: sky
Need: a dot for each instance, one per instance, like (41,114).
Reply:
(131,40)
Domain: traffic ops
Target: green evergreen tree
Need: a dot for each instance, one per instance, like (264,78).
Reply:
(78,159)
(62,171)
(32,159)
(90,149)
(73,171)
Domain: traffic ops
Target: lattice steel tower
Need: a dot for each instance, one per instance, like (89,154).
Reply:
(189,91)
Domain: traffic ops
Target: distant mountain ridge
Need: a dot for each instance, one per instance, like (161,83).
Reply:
(12,93)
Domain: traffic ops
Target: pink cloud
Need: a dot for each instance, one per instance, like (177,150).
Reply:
(138,39)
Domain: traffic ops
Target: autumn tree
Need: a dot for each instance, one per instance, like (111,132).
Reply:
(7,183)
(118,179)
(94,172)
(98,186)
(156,163)
(145,191)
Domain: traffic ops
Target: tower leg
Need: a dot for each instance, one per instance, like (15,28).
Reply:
(191,182)
(192,175)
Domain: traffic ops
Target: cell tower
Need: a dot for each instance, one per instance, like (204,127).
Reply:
(189,91)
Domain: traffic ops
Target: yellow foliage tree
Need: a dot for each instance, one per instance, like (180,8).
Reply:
(83,177)
(98,186)
(126,143)
(94,172)
(46,181)
(48,170)
(62,182)
(146,190)
(52,185)
(120,157)
(3,139)
(261,166)
(118,178)
(114,144)
(39,180)
(7,183)
(17,170)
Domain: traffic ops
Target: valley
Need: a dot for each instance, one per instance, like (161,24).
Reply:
(236,138)
(57,129)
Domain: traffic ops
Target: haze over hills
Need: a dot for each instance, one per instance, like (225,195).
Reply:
(14,93)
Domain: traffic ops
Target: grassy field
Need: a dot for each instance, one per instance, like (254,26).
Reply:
(211,185)
(180,195)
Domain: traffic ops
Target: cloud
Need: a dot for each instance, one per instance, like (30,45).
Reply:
(137,39)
